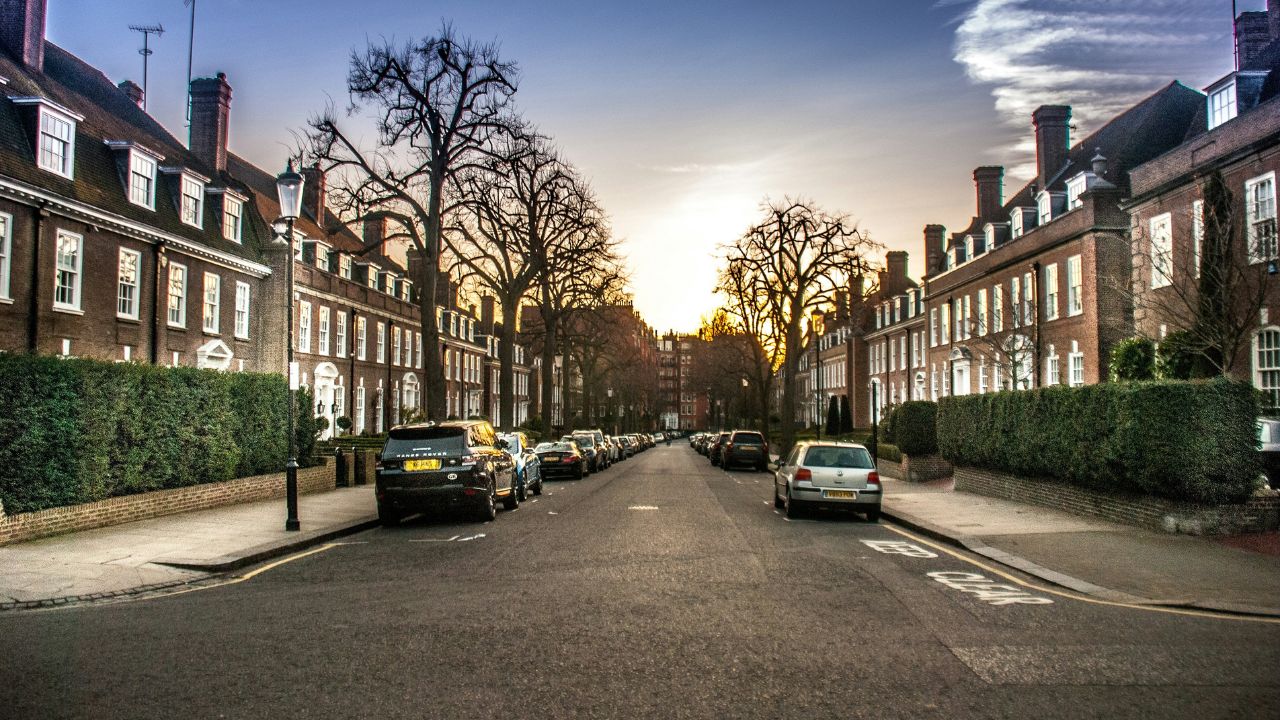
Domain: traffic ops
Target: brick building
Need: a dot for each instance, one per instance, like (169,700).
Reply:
(681,405)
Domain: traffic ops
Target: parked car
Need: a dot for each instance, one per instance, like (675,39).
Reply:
(528,475)
(626,448)
(713,451)
(600,444)
(615,452)
(561,459)
(454,465)
(827,474)
(595,454)
(1269,448)
(745,447)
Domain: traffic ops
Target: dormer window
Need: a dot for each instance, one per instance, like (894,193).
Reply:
(322,256)
(232,218)
(951,258)
(142,179)
(1044,206)
(344,266)
(1222,104)
(57,142)
(968,247)
(1076,187)
(190,195)
(1021,221)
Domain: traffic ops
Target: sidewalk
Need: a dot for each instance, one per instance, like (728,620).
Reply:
(172,550)
(1095,557)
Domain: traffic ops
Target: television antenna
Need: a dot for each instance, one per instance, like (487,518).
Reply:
(146,52)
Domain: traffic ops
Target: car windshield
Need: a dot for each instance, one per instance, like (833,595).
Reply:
(553,447)
(838,457)
(747,438)
(426,441)
(513,441)
(585,440)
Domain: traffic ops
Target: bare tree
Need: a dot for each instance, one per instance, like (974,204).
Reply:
(437,106)
(797,258)
(1011,344)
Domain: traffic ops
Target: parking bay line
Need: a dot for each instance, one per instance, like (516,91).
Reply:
(1081,598)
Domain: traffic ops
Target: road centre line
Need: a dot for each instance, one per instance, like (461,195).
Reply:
(1081,598)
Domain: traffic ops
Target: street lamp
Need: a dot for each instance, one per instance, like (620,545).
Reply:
(289,192)
(875,420)
(816,327)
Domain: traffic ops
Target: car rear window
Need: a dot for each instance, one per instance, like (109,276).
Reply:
(554,447)
(748,438)
(839,457)
(426,441)
(585,440)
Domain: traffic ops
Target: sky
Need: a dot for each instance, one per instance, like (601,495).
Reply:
(687,114)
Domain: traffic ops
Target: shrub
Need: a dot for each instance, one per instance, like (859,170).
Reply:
(75,431)
(1180,440)
(1133,359)
(887,451)
(915,427)
(1177,356)
(344,423)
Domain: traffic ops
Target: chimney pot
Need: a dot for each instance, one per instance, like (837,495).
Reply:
(1099,163)
(22,31)
(210,120)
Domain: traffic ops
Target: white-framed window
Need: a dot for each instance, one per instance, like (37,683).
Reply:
(1015,300)
(322,330)
(395,345)
(1076,187)
(1075,286)
(191,203)
(945,323)
(340,334)
(997,308)
(1044,207)
(982,312)
(127,276)
(1028,299)
(893,360)
(968,317)
(1076,360)
(1260,216)
(344,266)
(177,307)
(1266,364)
(6,254)
(242,310)
(68,278)
(1052,372)
(304,327)
(1161,250)
(1222,105)
(1051,291)
(361,337)
(57,142)
(381,343)
(232,214)
(359,407)
(142,179)
(419,339)
(933,327)
(212,301)
(1197,234)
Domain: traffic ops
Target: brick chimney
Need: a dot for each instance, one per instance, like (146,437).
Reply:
(22,31)
(1253,34)
(131,90)
(210,116)
(1053,140)
(486,313)
(313,194)
(1273,13)
(935,247)
(990,183)
(375,234)
(893,279)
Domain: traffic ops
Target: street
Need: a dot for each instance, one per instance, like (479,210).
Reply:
(662,587)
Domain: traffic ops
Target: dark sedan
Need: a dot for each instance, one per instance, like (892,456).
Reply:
(561,460)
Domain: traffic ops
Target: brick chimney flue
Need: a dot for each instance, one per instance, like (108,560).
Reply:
(1273,16)
(132,91)
(1053,140)
(1253,34)
(935,246)
(990,185)
(22,31)
(210,117)
(313,194)
(375,233)
(486,313)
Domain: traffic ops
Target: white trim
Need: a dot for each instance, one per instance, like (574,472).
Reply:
(6,256)
(1160,238)
(137,282)
(216,316)
(69,159)
(243,297)
(78,270)
(181,322)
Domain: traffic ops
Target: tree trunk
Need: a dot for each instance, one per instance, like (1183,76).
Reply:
(506,369)
(566,387)
(790,364)
(432,367)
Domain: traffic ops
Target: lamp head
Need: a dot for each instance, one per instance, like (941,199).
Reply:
(289,190)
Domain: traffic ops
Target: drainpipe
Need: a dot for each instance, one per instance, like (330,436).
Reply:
(160,260)
(351,374)
(1035,325)
(386,399)
(33,317)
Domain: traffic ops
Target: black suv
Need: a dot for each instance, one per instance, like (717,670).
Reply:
(456,464)
(745,447)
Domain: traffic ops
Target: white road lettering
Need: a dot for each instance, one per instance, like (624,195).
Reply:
(897,547)
(986,589)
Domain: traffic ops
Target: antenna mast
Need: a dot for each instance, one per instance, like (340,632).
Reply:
(146,52)
(191,44)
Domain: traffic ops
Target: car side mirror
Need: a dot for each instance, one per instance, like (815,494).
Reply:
(773,467)
(503,444)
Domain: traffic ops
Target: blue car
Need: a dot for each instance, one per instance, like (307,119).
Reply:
(528,470)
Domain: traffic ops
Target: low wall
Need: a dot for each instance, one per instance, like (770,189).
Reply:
(1260,514)
(128,508)
(920,468)
(890,468)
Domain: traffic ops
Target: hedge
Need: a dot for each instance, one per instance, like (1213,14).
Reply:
(887,451)
(915,427)
(1177,439)
(75,431)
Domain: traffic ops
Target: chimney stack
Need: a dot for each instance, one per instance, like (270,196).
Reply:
(893,279)
(486,313)
(210,116)
(1273,13)
(130,89)
(1053,140)
(1253,34)
(313,193)
(990,183)
(22,31)
(375,234)
(935,247)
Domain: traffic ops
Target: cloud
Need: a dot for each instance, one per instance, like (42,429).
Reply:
(1098,56)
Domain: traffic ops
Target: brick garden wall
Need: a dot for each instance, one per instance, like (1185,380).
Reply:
(1261,513)
(117,510)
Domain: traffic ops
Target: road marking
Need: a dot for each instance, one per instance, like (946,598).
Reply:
(1082,598)
(643,507)
(455,537)
(897,547)
(471,537)
(247,576)
(552,512)
(986,589)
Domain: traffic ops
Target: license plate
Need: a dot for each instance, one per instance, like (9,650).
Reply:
(840,494)
(552,457)
(417,465)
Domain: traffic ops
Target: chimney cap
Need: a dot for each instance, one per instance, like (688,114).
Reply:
(1046,113)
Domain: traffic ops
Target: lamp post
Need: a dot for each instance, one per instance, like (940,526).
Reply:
(875,420)
(816,326)
(289,190)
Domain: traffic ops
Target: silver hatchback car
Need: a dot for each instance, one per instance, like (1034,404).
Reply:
(827,474)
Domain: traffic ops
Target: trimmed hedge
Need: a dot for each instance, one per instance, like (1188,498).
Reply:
(75,431)
(887,451)
(1181,440)
(915,427)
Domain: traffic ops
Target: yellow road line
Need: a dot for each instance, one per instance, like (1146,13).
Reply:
(249,575)
(1076,596)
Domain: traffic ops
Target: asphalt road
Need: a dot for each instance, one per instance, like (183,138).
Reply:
(661,588)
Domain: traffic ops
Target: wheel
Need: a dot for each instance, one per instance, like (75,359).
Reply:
(522,491)
(577,473)
(488,510)
(512,500)
(793,507)
(873,515)
(777,501)
(387,516)
(537,489)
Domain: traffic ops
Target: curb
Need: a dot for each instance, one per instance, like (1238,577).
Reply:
(226,563)
(967,542)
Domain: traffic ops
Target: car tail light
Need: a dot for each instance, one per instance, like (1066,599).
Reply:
(873,478)
(804,474)
(728,447)
(470,459)
(572,459)
(386,465)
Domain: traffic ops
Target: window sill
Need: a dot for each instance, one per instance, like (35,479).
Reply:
(242,337)
(129,319)
(171,326)
(210,333)
(67,310)
(6,301)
